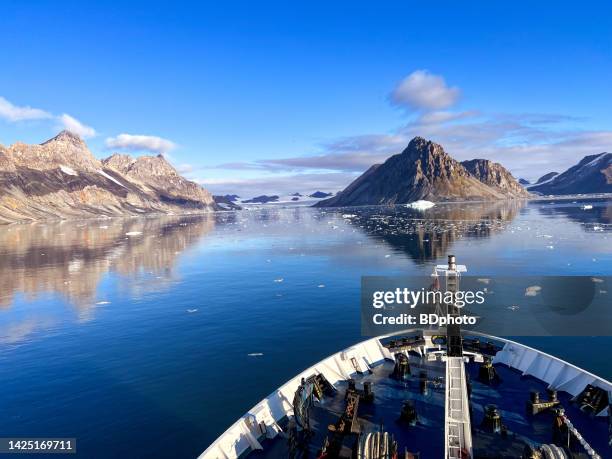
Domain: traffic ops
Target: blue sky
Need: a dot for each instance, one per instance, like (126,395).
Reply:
(254,97)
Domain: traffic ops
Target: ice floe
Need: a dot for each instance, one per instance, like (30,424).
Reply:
(534,290)
(420,205)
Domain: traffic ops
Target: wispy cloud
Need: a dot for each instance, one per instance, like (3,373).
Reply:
(350,154)
(148,143)
(422,90)
(14,113)
(73,125)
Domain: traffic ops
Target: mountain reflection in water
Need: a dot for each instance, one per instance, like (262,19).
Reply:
(429,235)
(71,258)
(598,217)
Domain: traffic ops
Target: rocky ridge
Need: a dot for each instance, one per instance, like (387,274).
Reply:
(62,179)
(425,171)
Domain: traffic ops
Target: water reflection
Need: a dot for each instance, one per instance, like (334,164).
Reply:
(592,214)
(70,258)
(429,235)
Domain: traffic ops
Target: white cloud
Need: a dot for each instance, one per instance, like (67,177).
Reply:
(13,113)
(422,90)
(140,143)
(75,126)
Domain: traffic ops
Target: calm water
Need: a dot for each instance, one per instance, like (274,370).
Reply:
(139,344)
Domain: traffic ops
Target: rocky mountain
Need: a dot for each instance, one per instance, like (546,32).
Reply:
(546,177)
(61,179)
(425,171)
(227,202)
(263,199)
(496,176)
(319,195)
(593,174)
(230,197)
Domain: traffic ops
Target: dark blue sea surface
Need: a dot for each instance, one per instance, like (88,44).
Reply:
(148,337)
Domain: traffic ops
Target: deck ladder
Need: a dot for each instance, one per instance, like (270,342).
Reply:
(457,423)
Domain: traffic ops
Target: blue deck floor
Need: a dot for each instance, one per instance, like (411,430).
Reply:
(427,437)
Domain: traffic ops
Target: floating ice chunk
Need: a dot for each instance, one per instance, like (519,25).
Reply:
(586,207)
(484,281)
(349,215)
(514,307)
(102,302)
(133,233)
(420,205)
(534,290)
(68,170)
(321,285)
(279,280)
(597,280)
(387,256)
(191,311)
(255,354)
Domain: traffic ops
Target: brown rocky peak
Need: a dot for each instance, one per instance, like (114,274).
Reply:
(119,162)
(430,159)
(65,149)
(153,165)
(66,136)
(495,175)
(142,167)
(420,147)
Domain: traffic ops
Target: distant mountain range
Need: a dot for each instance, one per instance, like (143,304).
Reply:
(263,199)
(319,195)
(425,171)
(62,179)
(227,202)
(593,174)
(293,197)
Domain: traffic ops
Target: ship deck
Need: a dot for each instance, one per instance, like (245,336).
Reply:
(427,436)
